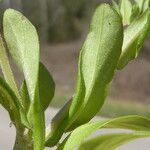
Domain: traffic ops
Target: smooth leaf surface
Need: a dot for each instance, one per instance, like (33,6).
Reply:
(126,9)
(134,37)
(22,41)
(46,89)
(10,102)
(97,63)
(135,12)
(7,72)
(128,122)
(116,6)
(46,86)
(143,4)
(9,78)
(111,141)
(25,96)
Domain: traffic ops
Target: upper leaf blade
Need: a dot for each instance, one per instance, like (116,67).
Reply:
(23,44)
(99,57)
(134,37)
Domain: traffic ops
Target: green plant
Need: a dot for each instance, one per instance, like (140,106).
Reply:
(116,37)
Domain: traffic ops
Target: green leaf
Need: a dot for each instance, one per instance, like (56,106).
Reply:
(22,41)
(116,6)
(134,37)
(111,141)
(8,75)
(7,72)
(126,9)
(46,89)
(11,103)
(46,86)
(97,63)
(58,124)
(23,44)
(135,13)
(128,122)
(25,96)
(143,4)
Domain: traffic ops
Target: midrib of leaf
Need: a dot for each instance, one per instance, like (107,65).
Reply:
(8,75)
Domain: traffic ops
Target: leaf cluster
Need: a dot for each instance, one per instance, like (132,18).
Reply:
(117,33)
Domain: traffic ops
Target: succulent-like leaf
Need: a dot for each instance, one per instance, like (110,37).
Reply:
(97,63)
(134,37)
(46,86)
(22,41)
(126,9)
(78,135)
(111,141)
(46,89)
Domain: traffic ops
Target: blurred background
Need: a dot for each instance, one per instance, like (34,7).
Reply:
(62,26)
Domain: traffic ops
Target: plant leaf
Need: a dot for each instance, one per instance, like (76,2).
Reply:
(135,12)
(25,96)
(7,72)
(116,6)
(22,41)
(11,103)
(143,4)
(99,57)
(111,141)
(46,89)
(46,86)
(126,9)
(137,123)
(134,37)
(97,63)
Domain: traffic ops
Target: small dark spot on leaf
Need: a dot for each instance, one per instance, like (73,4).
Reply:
(109,23)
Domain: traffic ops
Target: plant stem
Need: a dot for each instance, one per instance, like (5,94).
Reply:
(23,141)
